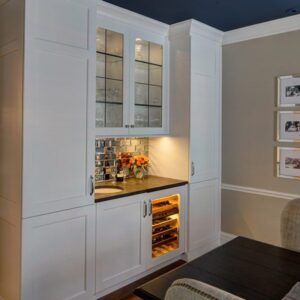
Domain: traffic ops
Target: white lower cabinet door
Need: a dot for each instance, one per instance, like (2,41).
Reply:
(58,255)
(120,240)
(204,214)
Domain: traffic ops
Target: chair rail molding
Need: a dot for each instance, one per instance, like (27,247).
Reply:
(256,191)
(269,28)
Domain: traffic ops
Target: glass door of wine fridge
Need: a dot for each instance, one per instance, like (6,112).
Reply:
(167,224)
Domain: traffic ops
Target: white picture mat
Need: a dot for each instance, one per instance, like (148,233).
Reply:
(288,153)
(283,118)
(286,82)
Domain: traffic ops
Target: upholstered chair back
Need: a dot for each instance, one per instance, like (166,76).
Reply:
(290,226)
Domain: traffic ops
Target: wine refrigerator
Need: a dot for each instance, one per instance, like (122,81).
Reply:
(167,225)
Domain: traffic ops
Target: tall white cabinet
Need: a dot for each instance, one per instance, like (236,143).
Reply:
(47,60)
(195,84)
(59,61)
(195,129)
(58,227)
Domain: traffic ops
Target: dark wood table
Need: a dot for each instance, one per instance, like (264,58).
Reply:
(249,269)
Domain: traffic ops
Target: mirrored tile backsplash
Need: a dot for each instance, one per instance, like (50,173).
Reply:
(108,151)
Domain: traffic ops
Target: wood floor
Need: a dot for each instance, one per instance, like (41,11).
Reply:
(126,293)
(132,298)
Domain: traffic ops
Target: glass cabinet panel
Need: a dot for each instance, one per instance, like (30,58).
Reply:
(148,84)
(141,50)
(109,78)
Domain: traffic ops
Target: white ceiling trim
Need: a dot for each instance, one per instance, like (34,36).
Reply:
(262,30)
(194,27)
(233,36)
(130,17)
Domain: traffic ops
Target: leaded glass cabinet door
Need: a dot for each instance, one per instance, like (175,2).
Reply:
(149,86)
(112,77)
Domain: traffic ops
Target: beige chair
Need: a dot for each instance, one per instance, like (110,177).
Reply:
(190,289)
(290,226)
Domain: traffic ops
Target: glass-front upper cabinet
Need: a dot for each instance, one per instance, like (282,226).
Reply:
(148,84)
(131,81)
(111,103)
(149,88)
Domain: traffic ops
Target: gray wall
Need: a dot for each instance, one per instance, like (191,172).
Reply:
(250,69)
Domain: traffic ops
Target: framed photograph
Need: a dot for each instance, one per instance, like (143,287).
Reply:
(288,90)
(288,162)
(288,126)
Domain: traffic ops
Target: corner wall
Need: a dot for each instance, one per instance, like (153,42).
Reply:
(250,69)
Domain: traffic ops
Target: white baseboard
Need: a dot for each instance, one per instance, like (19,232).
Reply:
(226,237)
(195,253)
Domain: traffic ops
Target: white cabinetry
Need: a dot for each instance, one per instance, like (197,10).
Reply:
(124,237)
(58,255)
(205,107)
(58,100)
(121,240)
(132,85)
(195,90)
(204,214)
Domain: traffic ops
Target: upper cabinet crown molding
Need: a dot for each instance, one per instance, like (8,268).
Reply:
(131,18)
(193,27)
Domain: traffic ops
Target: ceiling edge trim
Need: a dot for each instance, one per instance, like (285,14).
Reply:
(132,18)
(194,27)
(265,29)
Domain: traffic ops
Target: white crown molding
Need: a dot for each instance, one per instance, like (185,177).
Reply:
(262,30)
(132,18)
(194,27)
(261,192)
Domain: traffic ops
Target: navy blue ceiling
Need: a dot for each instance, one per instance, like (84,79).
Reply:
(222,14)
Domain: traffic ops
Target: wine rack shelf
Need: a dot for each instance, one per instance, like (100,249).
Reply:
(165,225)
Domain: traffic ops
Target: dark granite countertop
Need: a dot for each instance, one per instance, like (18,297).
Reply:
(133,186)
